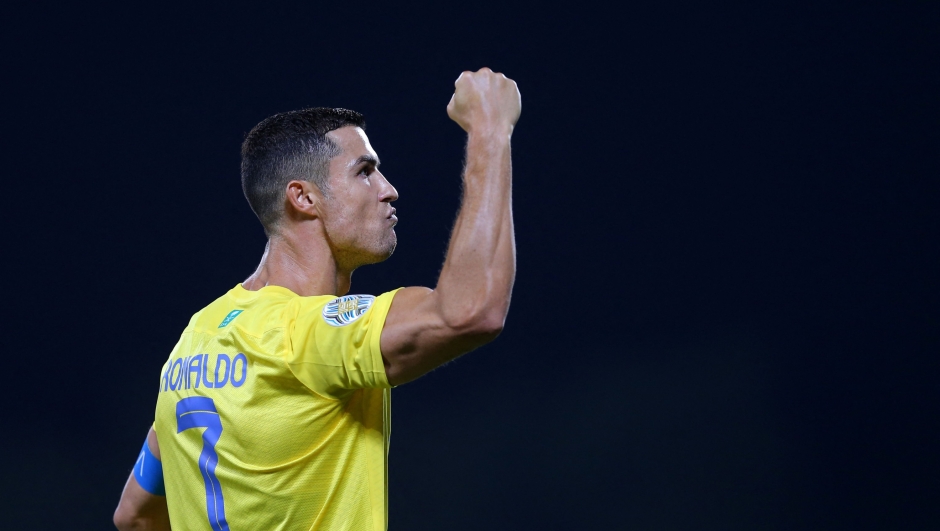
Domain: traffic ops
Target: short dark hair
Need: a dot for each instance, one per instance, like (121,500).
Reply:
(288,146)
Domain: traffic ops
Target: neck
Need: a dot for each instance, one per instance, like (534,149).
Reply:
(301,263)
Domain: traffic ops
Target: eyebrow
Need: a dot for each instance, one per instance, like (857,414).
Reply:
(369,159)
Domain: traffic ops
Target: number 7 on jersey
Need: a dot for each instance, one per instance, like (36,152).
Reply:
(200,412)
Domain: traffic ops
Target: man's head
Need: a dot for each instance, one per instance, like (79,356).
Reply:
(290,146)
(318,164)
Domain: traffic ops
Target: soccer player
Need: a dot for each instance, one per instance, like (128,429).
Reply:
(273,409)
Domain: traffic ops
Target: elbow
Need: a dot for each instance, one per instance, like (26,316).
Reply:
(126,520)
(480,327)
(122,520)
(491,325)
(475,321)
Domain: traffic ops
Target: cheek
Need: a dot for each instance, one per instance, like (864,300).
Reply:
(353,215)
(348,221)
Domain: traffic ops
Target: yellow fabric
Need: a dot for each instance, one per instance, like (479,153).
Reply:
(303,407)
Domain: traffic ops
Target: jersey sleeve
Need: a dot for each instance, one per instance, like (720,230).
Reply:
(335,344)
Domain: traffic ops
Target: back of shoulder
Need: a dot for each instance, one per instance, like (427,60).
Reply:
(254,313)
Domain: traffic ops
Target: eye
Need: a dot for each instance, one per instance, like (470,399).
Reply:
(366,171)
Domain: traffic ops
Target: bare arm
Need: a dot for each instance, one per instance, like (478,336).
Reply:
(139,510)
(426,328)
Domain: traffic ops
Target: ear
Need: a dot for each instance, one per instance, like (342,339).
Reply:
(303,200)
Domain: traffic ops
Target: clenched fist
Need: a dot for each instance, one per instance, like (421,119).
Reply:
(485,101)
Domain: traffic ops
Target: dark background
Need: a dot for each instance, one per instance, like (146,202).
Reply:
(726,308)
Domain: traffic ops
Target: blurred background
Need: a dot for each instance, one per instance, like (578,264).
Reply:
(726,310)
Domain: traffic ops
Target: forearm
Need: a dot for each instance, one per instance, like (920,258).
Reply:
(476,281)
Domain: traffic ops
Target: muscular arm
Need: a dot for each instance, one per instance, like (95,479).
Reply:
(139,510)
(426,328)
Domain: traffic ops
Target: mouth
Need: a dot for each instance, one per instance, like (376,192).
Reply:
(392,217)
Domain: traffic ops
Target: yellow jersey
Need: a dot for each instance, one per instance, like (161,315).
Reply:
(273,414)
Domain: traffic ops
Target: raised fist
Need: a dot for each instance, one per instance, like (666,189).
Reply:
(485,101)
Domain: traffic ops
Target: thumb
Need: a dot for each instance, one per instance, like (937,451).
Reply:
(450,106)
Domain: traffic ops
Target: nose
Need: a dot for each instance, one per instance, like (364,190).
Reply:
(387,192)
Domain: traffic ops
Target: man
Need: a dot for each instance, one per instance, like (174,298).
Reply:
(273,411)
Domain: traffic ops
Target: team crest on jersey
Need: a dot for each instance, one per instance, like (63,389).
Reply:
(344,310)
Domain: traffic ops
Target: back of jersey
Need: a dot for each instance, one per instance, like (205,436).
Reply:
(273,413)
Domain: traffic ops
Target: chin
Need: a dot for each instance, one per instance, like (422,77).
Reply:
(389,248)
(382,251)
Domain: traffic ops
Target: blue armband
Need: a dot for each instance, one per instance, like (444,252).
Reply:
(149,471)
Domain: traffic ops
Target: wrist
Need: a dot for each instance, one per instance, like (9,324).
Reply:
(490,133)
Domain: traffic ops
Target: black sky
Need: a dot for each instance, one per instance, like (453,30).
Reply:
(726,309)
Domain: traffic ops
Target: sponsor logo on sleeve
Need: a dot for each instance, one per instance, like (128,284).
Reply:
(344,310)
(228,318)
